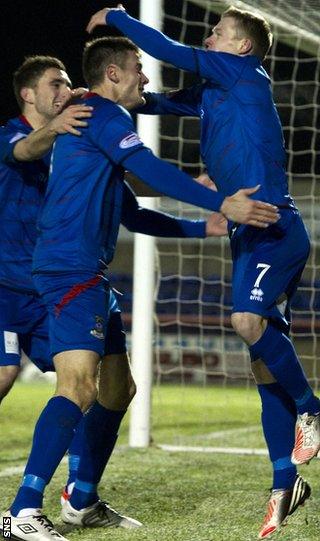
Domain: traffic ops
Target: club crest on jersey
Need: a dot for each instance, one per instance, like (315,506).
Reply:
(256,294)
(97,332)
(130,140)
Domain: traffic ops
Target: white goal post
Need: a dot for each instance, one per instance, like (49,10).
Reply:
(143,266)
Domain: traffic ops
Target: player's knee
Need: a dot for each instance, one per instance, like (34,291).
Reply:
(8,375)
(248,326)
(88,394)
(82,392)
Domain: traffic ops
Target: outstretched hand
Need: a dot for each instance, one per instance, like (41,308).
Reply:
(100,17)
(243,210)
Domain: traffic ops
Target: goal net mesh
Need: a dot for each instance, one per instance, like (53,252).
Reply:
(194,343)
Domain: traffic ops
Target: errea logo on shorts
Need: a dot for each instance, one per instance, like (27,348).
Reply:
(129,141)
(256,294)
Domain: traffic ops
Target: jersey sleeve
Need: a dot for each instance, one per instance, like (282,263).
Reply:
(115,134)
(8,140)
(221,68)
(168,180)
(159,224)
(177,102)
(153,42)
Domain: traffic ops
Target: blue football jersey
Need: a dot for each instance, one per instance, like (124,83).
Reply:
(22,187)
(241,136)
(83,204)
(79,224)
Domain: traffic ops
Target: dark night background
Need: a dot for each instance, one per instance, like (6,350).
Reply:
(57,27)
(53,27)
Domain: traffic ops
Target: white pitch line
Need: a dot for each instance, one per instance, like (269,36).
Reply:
(229,432)
(221,450)
(13,470)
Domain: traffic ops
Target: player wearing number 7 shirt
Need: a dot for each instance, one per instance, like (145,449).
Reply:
(242,144)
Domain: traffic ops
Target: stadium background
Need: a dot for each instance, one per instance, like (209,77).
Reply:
(57,28)
(193,490)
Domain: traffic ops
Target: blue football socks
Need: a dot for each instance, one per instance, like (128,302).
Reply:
(278,421)
(100,434)
(74,451)
(52,436)
(278,353)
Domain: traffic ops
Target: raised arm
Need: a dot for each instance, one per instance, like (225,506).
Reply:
(211,65)
(150,40)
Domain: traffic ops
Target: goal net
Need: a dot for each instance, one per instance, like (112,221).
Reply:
(195,347)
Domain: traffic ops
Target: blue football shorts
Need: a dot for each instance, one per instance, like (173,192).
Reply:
(79,313)
(267,266)
(23,326)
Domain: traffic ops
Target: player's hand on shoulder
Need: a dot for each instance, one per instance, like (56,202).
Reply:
(100,17)
(216,225)
(241,209)
(71,118)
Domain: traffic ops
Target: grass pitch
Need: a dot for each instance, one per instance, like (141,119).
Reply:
(178,496)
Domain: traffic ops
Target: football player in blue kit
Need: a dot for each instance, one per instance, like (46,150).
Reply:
(42,88)
(242,144)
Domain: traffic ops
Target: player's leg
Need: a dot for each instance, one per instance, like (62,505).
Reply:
(52,436)
(116,380)
(8,375)
(76,384)
(258,288)
(265,277)
(279,415)
(116,389)
(101,425)
(75,391)
(267,341)
(97,434)
(278,421)
(11,311)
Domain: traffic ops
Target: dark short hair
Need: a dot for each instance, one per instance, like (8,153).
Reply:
(253,26)
(29,73)
(101,52)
